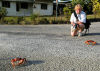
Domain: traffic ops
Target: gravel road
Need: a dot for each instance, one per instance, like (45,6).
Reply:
(49,48)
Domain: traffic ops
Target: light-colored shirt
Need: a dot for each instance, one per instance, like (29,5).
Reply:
(81,17)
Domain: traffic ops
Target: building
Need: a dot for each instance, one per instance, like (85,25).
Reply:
(61,5)
(27,7)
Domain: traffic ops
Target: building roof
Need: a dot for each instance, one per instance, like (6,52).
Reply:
(37,1)
(62,1)
(48,1)
(20,0)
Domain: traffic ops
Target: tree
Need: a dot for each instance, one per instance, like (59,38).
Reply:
(88,8)
(64,0)
(81,2)
(67,12)
(74,2)
(86,4)
(3,13)
(34,17)
(96,7)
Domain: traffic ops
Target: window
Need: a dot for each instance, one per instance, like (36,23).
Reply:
(17,6)
(24,5)
(44,6)
(6,4)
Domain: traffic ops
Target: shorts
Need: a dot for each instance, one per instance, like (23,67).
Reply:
(73,29)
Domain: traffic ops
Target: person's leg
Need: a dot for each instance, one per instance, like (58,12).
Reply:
(81,28)
(73,31)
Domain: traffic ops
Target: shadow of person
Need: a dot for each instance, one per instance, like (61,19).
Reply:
(97,43)
(92,34)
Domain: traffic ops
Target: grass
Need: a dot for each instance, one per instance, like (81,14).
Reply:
(93,16)
(52,17)
(13,20)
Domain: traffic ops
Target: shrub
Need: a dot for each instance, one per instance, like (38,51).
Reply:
(27,22)
(54,21)
(43,21)
(23,23)
(96,7)
(34,16)
(67,13)
(19,19)
(10,20)
(3,13)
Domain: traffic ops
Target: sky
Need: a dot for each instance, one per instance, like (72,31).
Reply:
(63,1)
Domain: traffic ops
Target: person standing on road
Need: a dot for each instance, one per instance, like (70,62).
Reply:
(77,25)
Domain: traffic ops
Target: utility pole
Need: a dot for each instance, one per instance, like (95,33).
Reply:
(56,7)
(33,6)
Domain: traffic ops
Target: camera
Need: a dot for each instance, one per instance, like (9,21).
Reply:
(75,26)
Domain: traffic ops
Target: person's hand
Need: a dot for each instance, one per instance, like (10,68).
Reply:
(79,22)
(73,24)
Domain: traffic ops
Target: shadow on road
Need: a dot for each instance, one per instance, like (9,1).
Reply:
(98,44)
(92,34)
(28,63)
(35,62)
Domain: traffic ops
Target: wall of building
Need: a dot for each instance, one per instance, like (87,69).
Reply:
(27,12)
(22,12)
(12,9)
(0,4)
(38,10)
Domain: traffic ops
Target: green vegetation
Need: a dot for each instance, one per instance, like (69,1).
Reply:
(91,7)
(67,12)
(96,7)
(86,4)
(3,13)
(40,20)
(82,2)
(74,2)
(33,18)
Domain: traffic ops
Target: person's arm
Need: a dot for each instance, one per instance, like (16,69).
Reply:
(73,23)
(72,19)
(79,22)
(83,18)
